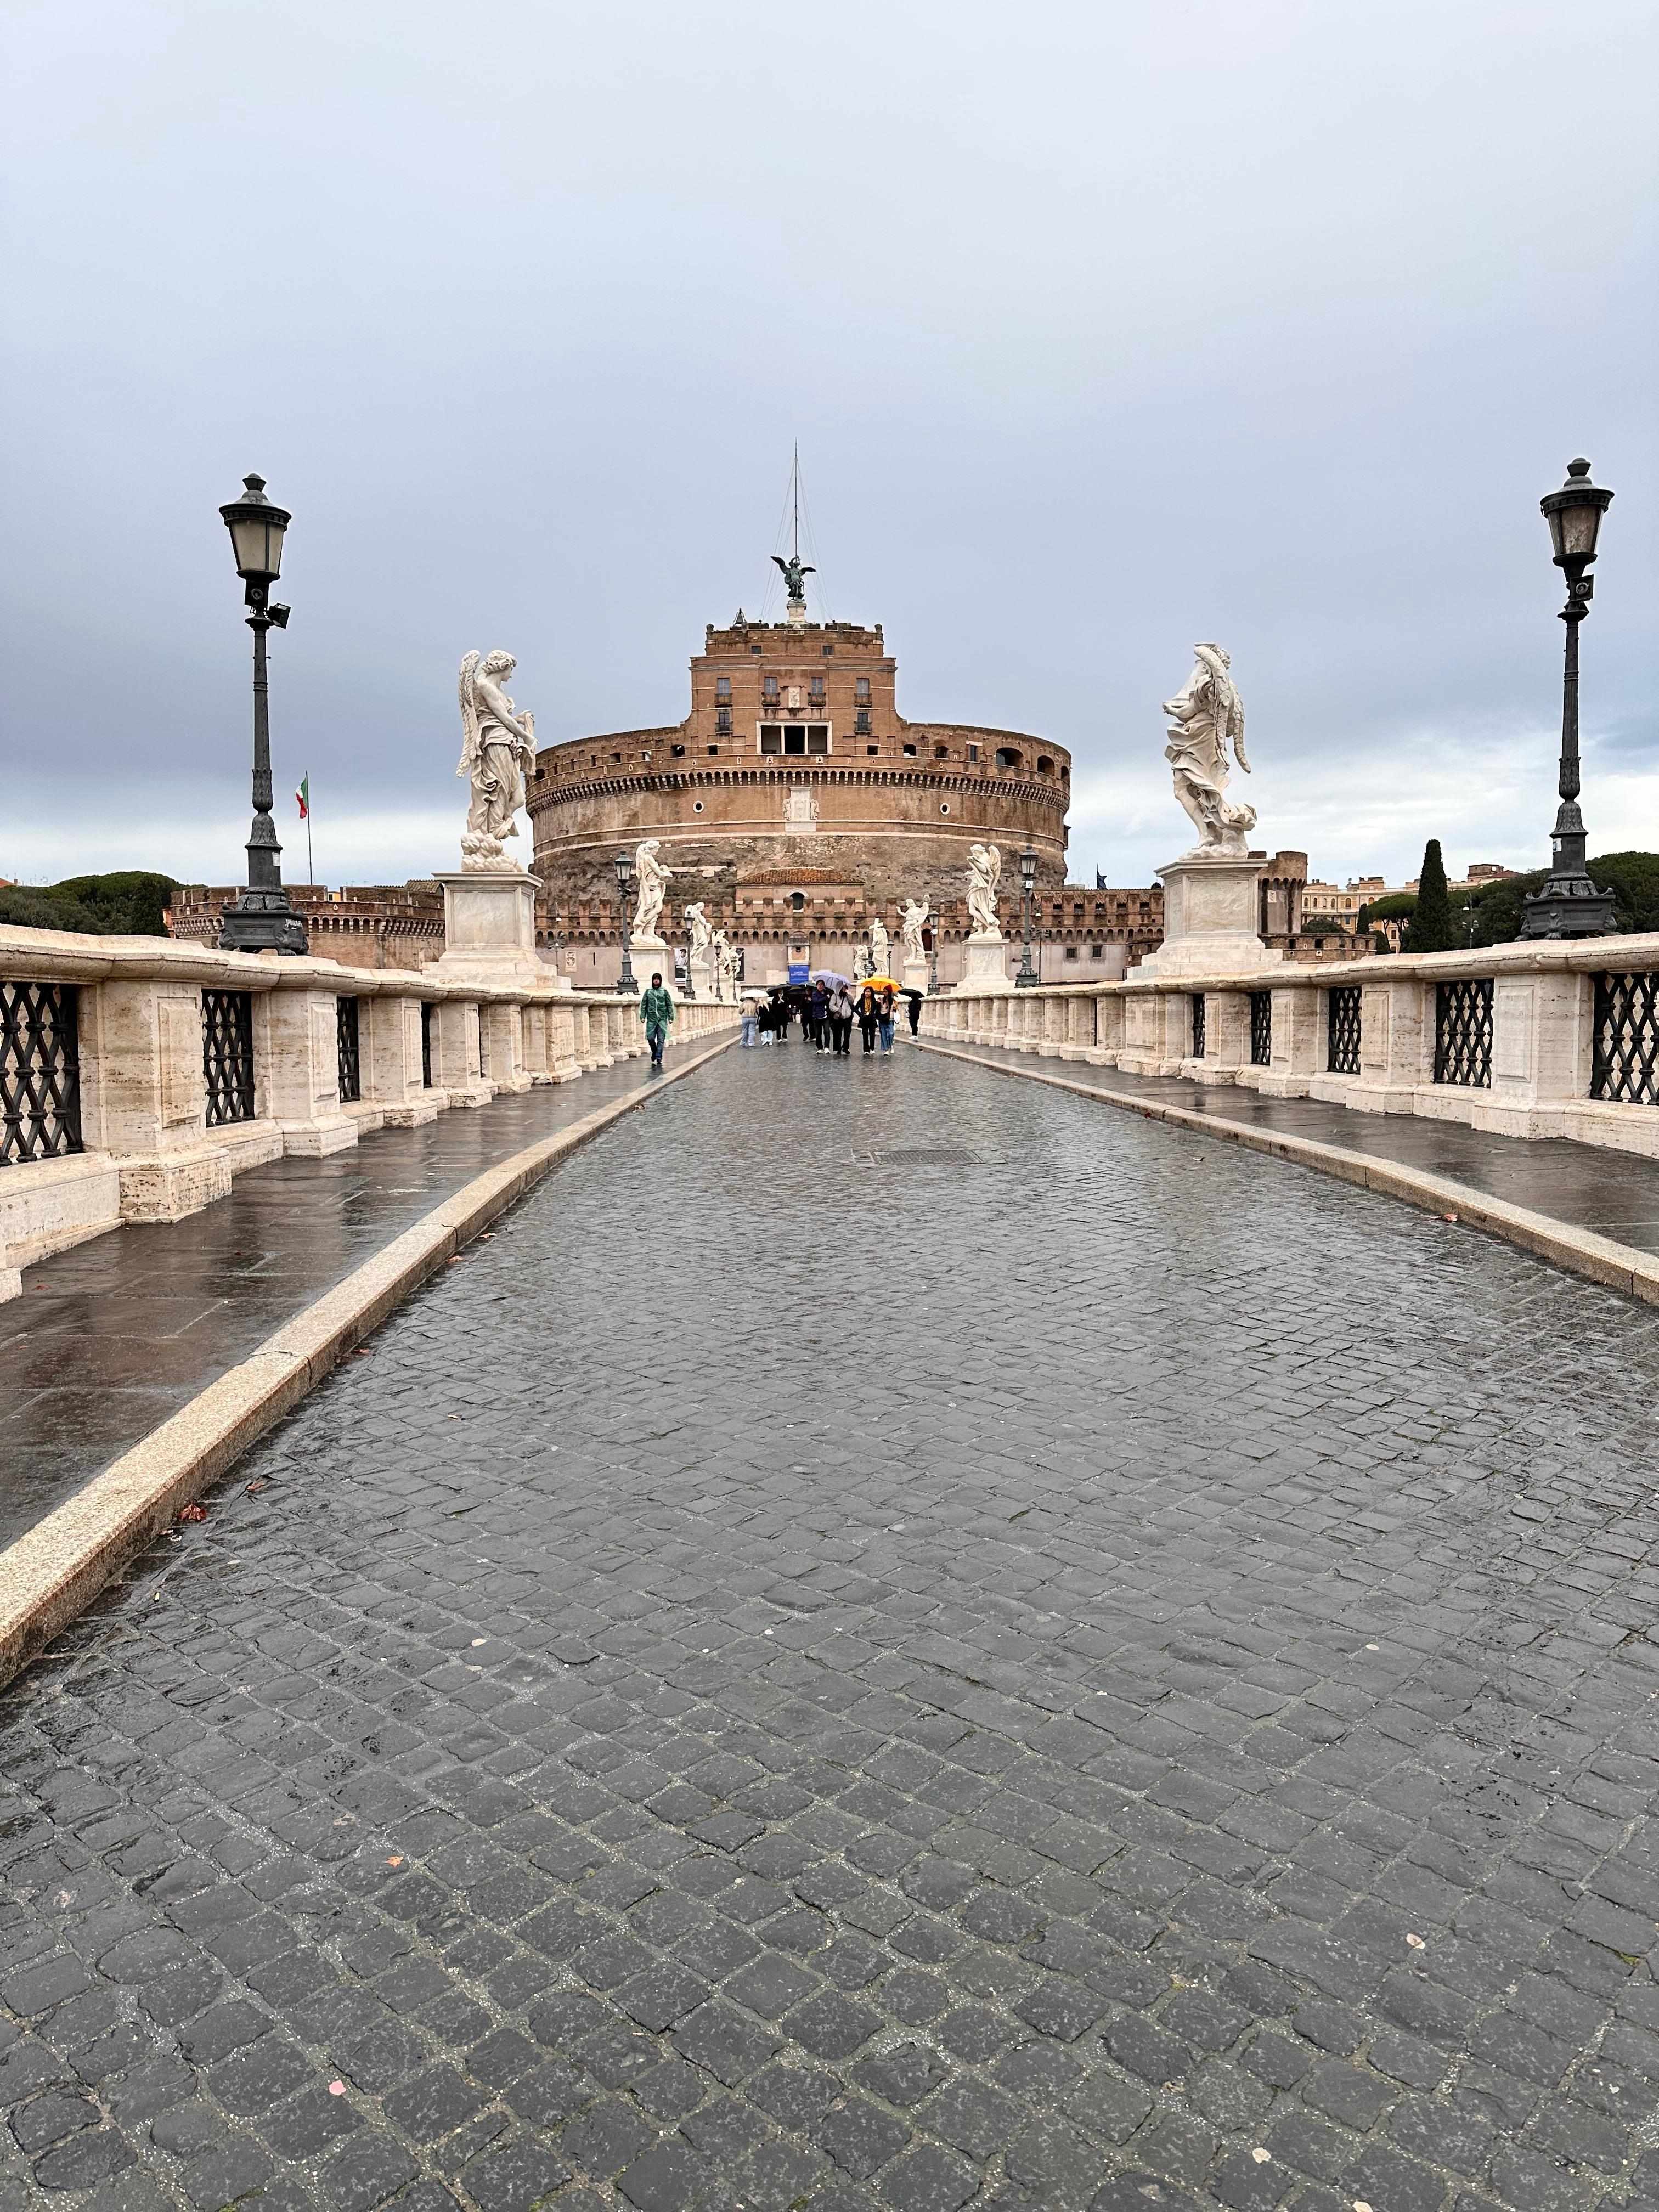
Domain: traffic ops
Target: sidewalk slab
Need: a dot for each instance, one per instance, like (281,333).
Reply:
(1594,1213)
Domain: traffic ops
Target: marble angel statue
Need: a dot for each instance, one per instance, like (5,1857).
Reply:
(497,744)
(653,880)
(698,930)
(913,918)
(984,870)
(1206,716)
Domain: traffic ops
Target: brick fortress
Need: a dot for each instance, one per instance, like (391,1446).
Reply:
(799,805)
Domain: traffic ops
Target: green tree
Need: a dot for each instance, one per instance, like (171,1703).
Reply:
(1431,925)
(127,902)
(1633,877)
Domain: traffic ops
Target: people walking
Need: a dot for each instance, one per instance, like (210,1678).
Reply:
(750,1023)
(914,998)
(841,1019)
(884,1018)
(656,1011)
(819,1018)
(867,1017)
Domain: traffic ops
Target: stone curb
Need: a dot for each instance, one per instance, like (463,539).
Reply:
(50,1575)
(1579,1251)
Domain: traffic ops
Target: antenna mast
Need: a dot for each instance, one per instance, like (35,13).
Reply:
(794,486)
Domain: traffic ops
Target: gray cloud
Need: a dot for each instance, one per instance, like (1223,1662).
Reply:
(1101,328)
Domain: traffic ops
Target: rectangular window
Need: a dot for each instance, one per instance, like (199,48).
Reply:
(861,725)
(1096,952)
(973,756)
(1071,952)
(909,753)
(769,689)
(818,736)
(723,689)
(816,689)
(722,722)
(872,750)
(861,690)
(712,750)
(771,737)
(794,741)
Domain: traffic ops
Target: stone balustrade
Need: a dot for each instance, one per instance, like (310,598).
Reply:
(1542,1039)
(139,1075)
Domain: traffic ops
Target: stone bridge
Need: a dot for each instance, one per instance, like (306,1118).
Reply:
(888,1638)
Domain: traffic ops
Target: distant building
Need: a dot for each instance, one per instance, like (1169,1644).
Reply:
(361,925)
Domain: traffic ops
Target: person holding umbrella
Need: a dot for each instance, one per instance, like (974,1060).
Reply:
(867,1017)
(884,1018)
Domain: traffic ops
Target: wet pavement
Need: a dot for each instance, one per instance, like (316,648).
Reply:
(111,1337)
(1614,1194)
(892,1640)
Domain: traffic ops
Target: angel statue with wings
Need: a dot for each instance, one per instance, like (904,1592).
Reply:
(984,869)
(913,920)
(1206,716)
(795,575)
(497,744)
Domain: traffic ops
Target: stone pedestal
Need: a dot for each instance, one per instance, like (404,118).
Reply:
(915,975)
(649,956)
(1210,913)
(986,953)
(489,927)
(702,978)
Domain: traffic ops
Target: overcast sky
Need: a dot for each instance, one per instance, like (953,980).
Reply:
(1102,328)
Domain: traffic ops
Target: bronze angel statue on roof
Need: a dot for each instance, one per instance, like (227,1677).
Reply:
(795,575)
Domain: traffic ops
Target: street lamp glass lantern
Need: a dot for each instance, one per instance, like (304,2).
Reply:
(624,871)
(256,528)
(1028,867)
(1574,514)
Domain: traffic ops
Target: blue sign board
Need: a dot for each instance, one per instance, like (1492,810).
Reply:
(801,971)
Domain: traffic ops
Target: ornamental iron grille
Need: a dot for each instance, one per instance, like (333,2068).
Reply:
(483,1045)
(1625,1064)
(1343,1032)
(351,1068)
(1262,1028)
(39,1072)
(426,1044)
(1198,1024)
(1463,1033)
(228,1055)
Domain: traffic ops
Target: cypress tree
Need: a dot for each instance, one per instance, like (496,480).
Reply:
(1431,925)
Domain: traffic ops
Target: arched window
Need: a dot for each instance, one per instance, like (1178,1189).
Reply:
(1007,757)
(1045,766)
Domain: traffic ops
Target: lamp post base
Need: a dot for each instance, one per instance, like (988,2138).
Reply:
(1569,906)
(262,921)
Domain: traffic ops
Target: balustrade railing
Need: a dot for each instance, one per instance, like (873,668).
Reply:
(348,1051)
(1343,1029)
(1262,1028)
(1198,1024)
(1462,1032)
(227,1056)
(1625,1065)
(39,1072)
(426,1044)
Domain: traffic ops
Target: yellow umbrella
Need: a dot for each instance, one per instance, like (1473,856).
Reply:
(881,983)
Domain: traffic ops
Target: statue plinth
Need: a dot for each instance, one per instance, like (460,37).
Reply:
(1212,903)
(795,614)
(489,927)
(986,953)
(648,956)
(702,974)
(915,975)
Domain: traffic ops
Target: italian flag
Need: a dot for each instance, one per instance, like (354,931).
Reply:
(302,796)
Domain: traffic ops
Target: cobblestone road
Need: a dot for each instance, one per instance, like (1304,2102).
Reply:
(1113,1673)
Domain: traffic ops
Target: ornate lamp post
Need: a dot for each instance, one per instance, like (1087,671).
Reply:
(627,988)
(1027,978)
(262,919)
(1569,905)
(933,927)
